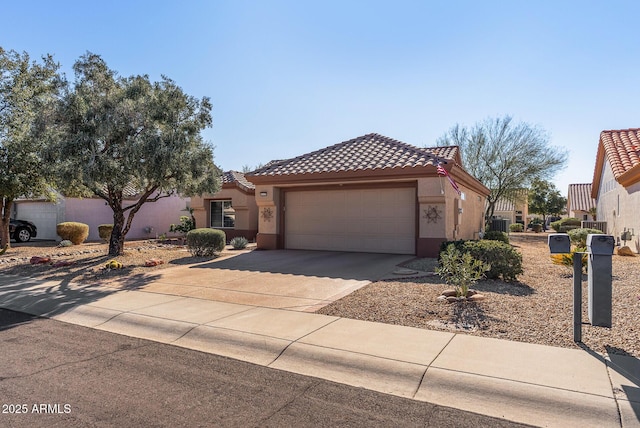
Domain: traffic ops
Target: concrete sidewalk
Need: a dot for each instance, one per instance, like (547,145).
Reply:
(534,384)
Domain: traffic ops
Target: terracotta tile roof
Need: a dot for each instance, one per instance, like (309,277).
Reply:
(237,178)
(509,204)
(579,197)
(621,148)
(369,152)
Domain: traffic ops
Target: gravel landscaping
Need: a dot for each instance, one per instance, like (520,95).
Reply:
(536,309)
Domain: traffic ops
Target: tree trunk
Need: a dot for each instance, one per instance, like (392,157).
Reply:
(116,242)
(5,209)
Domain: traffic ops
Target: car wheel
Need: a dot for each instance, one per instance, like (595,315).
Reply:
(23,235)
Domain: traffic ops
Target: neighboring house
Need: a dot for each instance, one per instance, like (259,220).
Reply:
(579,201)
(153,219)
(616,183)
(514,209)
(232,209)
(370,194)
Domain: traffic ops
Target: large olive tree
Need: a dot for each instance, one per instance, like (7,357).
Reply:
(123,134)
(28,90)
(505,156)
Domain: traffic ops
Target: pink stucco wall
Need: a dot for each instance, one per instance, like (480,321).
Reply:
(158,215)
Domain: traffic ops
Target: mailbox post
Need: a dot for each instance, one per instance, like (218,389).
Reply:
(559,243)
(600,249)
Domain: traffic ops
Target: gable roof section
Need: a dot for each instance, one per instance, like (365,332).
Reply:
(508,203)
(621,148)
(579,197)
(237,178)
(369,152)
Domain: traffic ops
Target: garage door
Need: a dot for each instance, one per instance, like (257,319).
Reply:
(371,220)
(43,214)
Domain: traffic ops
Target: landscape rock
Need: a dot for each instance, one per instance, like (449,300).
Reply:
(476,298)
(449,292)
(626,251)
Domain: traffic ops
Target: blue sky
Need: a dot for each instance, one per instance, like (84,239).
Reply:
(289,77)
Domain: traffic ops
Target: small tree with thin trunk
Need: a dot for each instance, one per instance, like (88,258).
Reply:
(130,135)
(545,199)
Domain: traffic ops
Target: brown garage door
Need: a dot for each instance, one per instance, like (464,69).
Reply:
(367,220)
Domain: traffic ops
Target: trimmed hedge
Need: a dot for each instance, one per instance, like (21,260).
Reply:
(516,227)
(104,231)
(205,242)
(505,261)
(571,221)
(496,235)
(73,231)
(579,236)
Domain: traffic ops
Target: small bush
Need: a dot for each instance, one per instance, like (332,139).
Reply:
(458,245)
(567,259)
(205,242)
(516,227)
(579,236)
(571,221)
(460,269)
(239,243)
(496,235)
(185,226)
(104,231)
(566,229)
(73,231)
(505,261)
(65,243)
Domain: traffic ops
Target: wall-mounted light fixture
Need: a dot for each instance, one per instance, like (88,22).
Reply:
(263,193)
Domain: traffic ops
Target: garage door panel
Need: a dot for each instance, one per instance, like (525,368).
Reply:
(371,220)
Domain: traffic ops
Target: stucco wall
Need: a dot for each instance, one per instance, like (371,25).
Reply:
(619,207)
(158,215)
(244,204)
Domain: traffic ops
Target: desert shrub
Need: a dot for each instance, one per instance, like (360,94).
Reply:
(504,260)
(205,242)
(104,231)
(567,259)
(239,243)
(186,225)
(571,221)
(516,227)
(458,245)
(73,231)
(496,235)
(460,269)
(65,243)
(579,236)
(566,229)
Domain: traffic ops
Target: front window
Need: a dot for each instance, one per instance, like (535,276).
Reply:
(222,214)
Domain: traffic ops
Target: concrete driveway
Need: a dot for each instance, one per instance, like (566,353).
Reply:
(284,279)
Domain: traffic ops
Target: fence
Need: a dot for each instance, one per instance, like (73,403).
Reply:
(600,225)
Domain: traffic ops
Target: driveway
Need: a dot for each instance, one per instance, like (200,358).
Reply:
(284,279)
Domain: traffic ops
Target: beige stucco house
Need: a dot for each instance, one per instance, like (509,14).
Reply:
(616,183)
(579,201)
(514,208)
(232,209)
(370,194)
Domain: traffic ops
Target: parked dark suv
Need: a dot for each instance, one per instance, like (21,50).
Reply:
(22,230)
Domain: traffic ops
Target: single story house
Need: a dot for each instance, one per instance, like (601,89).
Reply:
(579,201)
(616,183)
(153,219)
(515,209)
(370,194)
(232,209)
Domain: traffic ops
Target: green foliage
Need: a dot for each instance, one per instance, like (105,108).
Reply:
(104,231)
(566,229)
(516,227)
(122,132)
(28,91)
(504,260)
(65,243)
(186,224)
(579,236)
(545,199)
(460,270)
(496,235)
(205,242)
(571,221)
(73,231)
(459,245)
(567,259)
(239,243)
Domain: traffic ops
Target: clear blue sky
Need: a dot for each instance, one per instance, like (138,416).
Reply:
(289,77)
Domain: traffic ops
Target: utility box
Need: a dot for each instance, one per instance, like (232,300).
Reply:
(600,249)
(559,243)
